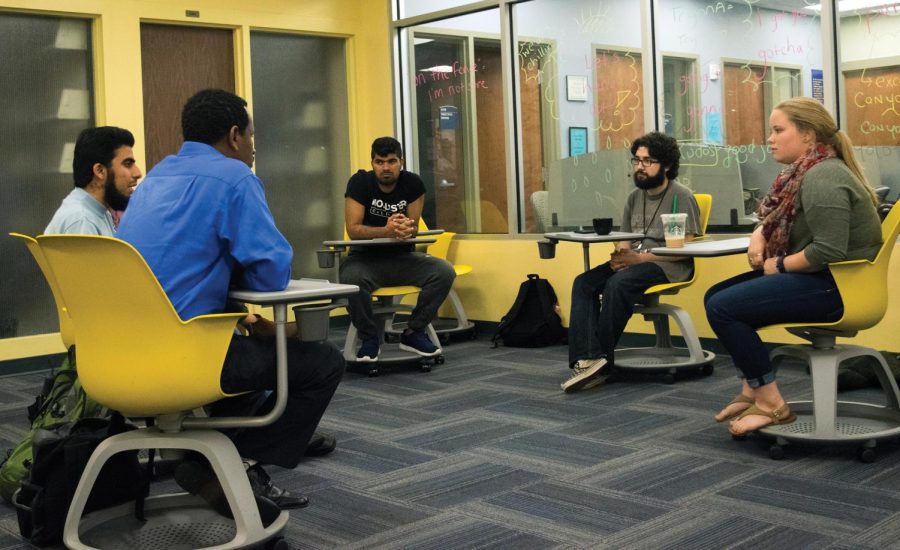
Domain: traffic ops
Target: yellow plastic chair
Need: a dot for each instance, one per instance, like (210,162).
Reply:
(388,302)
(66,327)
(460,321)
(136,356)
(664,356)
(863,286)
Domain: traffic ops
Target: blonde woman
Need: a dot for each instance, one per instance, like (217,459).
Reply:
(820,210)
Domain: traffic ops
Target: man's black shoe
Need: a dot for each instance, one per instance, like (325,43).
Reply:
(320,444)
(262,486)
(197,478)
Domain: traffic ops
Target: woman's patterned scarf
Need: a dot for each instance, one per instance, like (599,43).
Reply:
(777,210)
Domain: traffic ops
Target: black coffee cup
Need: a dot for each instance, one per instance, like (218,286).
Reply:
(602,226)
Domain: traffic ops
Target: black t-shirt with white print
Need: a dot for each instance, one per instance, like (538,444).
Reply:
(379,206)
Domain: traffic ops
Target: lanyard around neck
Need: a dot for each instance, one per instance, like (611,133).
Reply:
(658,206)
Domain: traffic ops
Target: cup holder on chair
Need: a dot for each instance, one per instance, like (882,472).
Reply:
(313,321)
(325,258)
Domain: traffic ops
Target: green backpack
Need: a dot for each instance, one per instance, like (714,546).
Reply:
(61,400)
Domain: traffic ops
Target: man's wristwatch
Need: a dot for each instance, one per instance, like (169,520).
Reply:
(779,264)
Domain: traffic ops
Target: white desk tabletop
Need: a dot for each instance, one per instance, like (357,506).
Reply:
(382,241)
(613,236)
(298,290)
(706,248)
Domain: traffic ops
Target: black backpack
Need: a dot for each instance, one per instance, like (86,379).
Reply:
(532,321)
(61,453)
(61,400)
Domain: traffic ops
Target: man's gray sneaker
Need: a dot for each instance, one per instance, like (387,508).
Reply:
(584,372)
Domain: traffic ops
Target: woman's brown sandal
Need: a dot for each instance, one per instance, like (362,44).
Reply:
(741,398)
(781,415)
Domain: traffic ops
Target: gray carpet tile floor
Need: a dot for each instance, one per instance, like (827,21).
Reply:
(485,451)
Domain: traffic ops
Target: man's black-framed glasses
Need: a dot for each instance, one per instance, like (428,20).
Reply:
(646,163)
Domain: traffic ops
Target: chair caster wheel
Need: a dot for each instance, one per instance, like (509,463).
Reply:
(668,378)
(373,372)
(439,360)
(426,367)
(866,454)
(277,544)
(706,370)
(776,452)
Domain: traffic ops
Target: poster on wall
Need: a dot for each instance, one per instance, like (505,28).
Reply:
(818,85)
(578,137)
(576,88)
(449,117)
(713,123)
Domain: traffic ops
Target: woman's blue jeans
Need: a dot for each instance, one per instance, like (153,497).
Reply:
(738,306)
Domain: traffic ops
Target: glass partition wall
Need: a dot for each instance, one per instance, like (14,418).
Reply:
(541,140)
(48,97)
(870,86)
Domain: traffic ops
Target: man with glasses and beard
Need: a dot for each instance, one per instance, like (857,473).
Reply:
(595,323)
(105,174)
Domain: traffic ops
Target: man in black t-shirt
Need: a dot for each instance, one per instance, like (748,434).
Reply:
(387,202)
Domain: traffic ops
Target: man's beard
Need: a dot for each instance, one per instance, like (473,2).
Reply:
(649,182)
(112,196)
(387,179)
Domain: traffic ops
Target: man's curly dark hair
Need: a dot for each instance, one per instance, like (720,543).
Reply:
(209,115)
(661,147)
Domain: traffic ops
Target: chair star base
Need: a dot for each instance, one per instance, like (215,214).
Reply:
(664,357)
(444,328)
(825,419)
(390,353)
(177,514)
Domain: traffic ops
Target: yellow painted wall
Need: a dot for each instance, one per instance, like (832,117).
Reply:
(364,23)
(499,266)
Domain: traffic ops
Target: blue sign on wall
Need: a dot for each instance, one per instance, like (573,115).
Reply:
(818,85)
(449,117)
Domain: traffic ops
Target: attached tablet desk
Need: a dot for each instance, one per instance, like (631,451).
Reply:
(339,246)
(587,238)
(707,249)
(297,291)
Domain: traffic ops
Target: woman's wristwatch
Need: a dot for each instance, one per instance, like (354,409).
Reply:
(779,264)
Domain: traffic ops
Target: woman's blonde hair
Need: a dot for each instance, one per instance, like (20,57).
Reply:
(808,114)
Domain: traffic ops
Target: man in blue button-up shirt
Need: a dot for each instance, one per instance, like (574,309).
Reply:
(201,221)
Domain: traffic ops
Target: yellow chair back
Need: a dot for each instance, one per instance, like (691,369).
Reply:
(862,284)
(135,355)
(704,205)
(66,327)
(441,248)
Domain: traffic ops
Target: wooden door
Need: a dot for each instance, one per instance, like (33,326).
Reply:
(530,78)
(745,116)
(488,88)
(177,62)
(619,92)
(873,116)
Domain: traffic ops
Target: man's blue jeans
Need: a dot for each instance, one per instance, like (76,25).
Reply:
(595,329)
(738,306)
